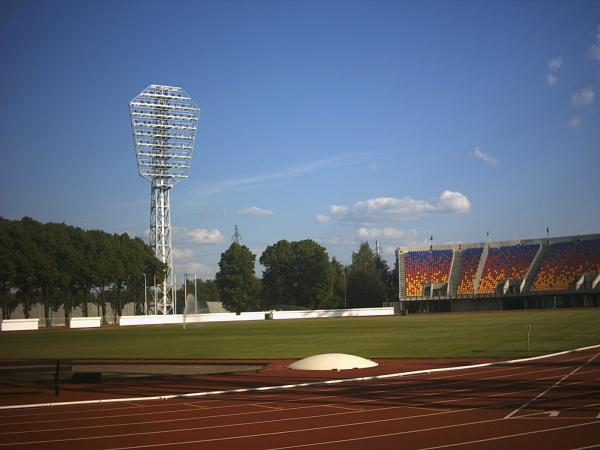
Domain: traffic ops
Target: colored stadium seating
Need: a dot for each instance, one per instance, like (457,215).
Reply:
(506,263)
(470,261)
(565,261)
(427,266)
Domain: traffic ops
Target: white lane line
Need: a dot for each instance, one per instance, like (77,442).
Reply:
(346,408)
(509,436)
(293,386)
(587,447)
(188,429)
(525,405)
(553,414)
(363,401)
(421,430)
(269,407)
(186,404)
(378,436)
(354,402)
(402,383)
(571,408)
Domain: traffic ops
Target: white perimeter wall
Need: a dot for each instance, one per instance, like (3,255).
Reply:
(85,322)
(20,324)
(257,315)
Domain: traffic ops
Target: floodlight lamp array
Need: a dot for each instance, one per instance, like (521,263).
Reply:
(164,121)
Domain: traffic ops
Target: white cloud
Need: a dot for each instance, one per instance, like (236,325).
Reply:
(555,63)
(584,97)
(186,261)
(485,157)
(454,202)
(182,253)
(339,240)
(204,236)
(594,50)
(575,122)
(551,79)
(390,209)
(385,234)
(389,250)
(321,218)
(255,212)
(237,184)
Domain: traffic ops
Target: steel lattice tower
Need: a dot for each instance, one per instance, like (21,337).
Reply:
(164,121)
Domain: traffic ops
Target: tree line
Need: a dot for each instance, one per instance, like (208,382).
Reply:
(301,274)
(58,265)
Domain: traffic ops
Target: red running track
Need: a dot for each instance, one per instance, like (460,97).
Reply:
(550,403)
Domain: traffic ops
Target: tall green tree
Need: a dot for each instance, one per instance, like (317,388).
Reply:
(8,269)
(339,282)
(58,265)
(237,283)
(367,285)
(298,273)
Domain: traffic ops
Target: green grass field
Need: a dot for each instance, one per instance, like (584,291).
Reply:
(474,335)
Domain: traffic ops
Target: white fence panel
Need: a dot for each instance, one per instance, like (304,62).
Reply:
(85,322)
(20,324)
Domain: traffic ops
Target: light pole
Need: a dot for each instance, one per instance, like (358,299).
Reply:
(345,289)
(184,290)
(164,121)
(145,296)
(154,296)
(195,295)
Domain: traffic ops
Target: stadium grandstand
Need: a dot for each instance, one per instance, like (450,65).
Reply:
(528,273)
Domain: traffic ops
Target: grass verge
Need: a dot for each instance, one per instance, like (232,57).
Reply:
(473,335)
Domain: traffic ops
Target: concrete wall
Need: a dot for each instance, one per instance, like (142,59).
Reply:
(470,305)
(85,322)
(255,315)
(356,312)
(20,324)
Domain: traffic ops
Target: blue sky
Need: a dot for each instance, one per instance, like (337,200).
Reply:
(339,121)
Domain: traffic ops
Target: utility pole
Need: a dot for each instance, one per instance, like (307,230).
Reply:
(237,237)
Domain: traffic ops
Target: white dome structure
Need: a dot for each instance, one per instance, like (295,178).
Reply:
(332,361)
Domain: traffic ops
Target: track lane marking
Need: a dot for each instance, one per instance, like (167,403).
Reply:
(210,401)
(423,405)
(292,386)
(283,420)
(422,430)
(365,401)
(525,405)
(509,436)
(377,436)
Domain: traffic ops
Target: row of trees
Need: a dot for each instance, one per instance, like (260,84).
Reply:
(60,265)
(300,274)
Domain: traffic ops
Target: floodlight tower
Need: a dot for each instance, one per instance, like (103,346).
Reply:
(164,121)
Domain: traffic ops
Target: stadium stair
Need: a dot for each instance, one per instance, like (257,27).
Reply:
(402,275)
(484,254)
(533,270)
(454,278)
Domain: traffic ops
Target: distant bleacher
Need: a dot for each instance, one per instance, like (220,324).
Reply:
(506,263)
(565,261)
(470,261)
(426,267)
(522,267)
